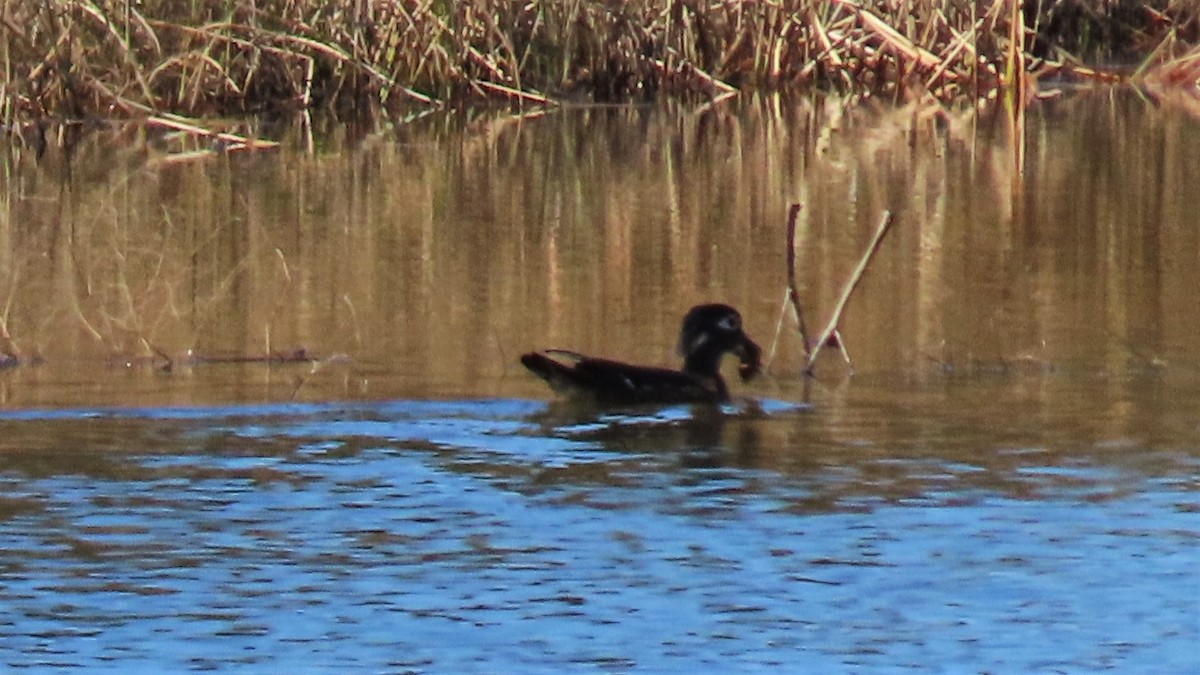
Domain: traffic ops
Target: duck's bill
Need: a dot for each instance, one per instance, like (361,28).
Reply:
(750,356)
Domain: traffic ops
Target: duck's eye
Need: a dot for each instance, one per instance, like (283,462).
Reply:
(730,323)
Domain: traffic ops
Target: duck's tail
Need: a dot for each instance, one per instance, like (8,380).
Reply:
(560,376)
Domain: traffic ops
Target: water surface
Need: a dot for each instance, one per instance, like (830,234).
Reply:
(1007,482)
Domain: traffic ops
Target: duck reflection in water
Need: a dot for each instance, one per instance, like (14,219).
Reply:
(707,334)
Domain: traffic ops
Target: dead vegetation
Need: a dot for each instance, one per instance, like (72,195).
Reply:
(108,58)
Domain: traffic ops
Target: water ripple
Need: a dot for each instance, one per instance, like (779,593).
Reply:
(475,536)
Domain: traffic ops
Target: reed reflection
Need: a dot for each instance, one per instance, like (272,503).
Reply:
(432,254)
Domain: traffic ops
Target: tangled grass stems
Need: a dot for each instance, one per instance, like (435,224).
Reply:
(79,58)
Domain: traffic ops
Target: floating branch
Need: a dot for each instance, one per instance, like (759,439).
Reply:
(299,355)
(230,141)
(160,360)
(518,94)
(830,334)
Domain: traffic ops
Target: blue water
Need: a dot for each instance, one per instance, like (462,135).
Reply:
(513,536)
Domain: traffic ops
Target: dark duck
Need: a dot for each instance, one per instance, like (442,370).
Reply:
(707,334)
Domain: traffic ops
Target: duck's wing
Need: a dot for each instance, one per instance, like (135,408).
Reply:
(617,382)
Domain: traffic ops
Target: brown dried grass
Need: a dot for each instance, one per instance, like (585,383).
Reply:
(114,58)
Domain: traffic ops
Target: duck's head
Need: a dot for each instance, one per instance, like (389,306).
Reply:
(708,332)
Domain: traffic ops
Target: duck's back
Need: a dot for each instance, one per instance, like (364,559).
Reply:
(617,382)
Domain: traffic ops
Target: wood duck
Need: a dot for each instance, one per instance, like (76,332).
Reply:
(708,332)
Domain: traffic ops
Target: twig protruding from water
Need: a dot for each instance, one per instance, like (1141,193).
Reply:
(793,293)
(830,333)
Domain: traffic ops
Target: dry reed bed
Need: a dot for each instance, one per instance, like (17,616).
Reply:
(79,58)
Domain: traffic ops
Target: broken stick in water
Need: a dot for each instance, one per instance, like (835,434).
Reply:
(793,293)
(831,328)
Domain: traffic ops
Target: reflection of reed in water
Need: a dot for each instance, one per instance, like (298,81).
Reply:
(434,255)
